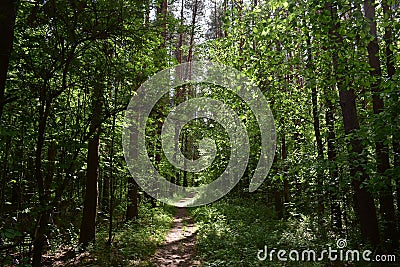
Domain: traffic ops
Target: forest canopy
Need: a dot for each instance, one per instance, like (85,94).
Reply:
(68,69)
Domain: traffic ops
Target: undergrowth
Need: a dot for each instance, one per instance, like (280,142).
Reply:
(134,243)
(233,230)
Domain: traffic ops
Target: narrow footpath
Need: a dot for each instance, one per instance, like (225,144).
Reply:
(179,245)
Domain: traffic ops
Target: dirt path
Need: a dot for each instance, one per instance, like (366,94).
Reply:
(179,245)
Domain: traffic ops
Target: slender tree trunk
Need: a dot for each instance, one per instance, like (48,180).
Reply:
(320,152)
(132,209)
(162,16)
(105,198)
(391,70)
(44,183)
(225,8)
(40,234)
(278,203)
(8,13)
(334,187)
(317,133)
(40,238)
(157,145)
(51,157)
(3,179)
(88,225)
(180,42)
(185,173)
(241,37)
(333,171)
(216,22)
(276,191)
(179,92)
(334,191)
(363,200)
(111,178)
(285,180)
(382,151)
(192,32)
(388,37)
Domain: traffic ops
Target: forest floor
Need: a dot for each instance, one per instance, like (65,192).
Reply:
(179,246)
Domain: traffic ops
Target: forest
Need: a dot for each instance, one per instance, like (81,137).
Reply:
(72,192)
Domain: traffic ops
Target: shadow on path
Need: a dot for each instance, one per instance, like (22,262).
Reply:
(179,245)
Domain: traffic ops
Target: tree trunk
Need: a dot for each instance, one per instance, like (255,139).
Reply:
(4,180)
(180,42)
(40,235)
(88,224)
(318,138)
(185,173)
(51,157)
(363,200)
(334,186)
(334,192)
(40,238)
(241,37)
(111,178)
(162,12)
(192,32)
(132,208)
(382,151)
(105,198)
(391,70)
(278,203)
(8,13)
(284,169)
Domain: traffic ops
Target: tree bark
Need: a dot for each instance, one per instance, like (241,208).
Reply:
(364,202)
(88,224)
(40,234)
(278,203)
(381,149)
(132,208)
(180,42)
(40,238)
(333,171)
(105,193)
(241,37)
(162,12)
(284,169)
(185,148)
(192,32)
(8,13)
(391,71)
(318,138)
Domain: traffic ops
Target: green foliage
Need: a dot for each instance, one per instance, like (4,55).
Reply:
(233,230)
(65,50)
(134,242)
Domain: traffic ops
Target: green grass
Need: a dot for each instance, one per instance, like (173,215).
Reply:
(135,242)
(232,230)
